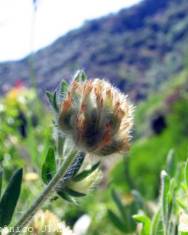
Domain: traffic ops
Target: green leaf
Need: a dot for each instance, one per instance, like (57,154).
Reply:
(156,225)
(49,96)
(74,193)
(55,104)
(10,198)
(116,221)
(86,173)
(52,98)
(186,172)
(65,196)
(1,181)
(171,164)
(49,166)
(119,204)
(145,220)
(165,187)
(183,233)
(80,76)
(63,88)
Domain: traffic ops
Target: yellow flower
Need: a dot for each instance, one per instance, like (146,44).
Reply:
(97,117)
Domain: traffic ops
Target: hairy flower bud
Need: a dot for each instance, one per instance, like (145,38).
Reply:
(97,117)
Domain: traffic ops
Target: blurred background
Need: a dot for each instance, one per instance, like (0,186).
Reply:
(139,46)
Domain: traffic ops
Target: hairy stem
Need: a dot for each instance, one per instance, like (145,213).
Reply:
(44,196)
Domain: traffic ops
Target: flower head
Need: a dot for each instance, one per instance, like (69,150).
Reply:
(97,117)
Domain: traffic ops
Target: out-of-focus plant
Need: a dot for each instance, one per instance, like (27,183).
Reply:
(144,168)
(92,120)
(23,134)
(123,221)
(171,216)
(10,197)
(45,222)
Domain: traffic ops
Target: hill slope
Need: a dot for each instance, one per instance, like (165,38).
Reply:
(137,49)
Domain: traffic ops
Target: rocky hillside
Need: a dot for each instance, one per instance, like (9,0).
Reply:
(137,49)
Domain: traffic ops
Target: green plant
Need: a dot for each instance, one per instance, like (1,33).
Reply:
(172,207)
(10,197)
(123,221)
(91,117)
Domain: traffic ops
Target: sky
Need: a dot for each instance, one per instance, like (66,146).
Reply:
(23,29)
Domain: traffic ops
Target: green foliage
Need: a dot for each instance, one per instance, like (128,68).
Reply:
(1,181)
(77,183)
(124,221)
(10,198)
(116,221)
(49,166)
(186,172)
(80,76)
(145,220)
(74,193)
(146,158)
(167,220)
(171,163)
(135,178)
(86,173)
(52,98)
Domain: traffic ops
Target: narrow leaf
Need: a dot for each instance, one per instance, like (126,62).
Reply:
(66,196)
(186,172)
(55,104)
(145,220)
(1,181)
(86,173)
(119,204)
(49,166)
(10,198)
(52,98)
(80,76)
(64,87)
(156,225)
(171,165)
(116,221)
(165,206)
(74,193)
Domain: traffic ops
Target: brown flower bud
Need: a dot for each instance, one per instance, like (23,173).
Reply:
(97,117)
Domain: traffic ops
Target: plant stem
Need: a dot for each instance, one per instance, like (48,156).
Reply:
(44,195)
